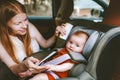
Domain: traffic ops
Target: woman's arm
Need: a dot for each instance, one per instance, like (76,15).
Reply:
(17,68)
(4,56)
(30,62)
(41,40)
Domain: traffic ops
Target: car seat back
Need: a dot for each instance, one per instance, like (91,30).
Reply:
(78,72)
(105,56)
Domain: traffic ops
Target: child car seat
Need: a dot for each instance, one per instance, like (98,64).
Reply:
(94,37)
(104,60)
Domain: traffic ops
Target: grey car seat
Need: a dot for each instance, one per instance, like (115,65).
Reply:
(104,61)
(107,52)
(93,39)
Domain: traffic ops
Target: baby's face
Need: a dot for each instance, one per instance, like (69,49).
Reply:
(75,44)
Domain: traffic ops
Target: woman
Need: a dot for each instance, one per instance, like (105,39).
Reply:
(19,38)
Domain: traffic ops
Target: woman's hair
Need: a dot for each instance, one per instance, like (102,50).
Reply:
(8,9)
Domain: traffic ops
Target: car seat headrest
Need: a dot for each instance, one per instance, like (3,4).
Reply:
(93,36)
(90,43)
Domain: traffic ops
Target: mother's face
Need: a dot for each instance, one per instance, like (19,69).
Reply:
(18,24)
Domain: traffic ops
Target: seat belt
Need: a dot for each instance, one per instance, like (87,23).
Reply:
(77,57)
(59,60)
(50,55)
(56,61)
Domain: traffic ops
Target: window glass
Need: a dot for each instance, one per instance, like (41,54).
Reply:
(35,8)
(87,9)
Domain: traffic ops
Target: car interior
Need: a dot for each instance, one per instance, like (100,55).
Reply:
(102,50)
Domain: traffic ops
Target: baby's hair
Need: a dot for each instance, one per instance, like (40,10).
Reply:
(78,32)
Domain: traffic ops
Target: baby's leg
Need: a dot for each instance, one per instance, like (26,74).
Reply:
(41,76)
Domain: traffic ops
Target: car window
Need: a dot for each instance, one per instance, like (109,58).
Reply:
(88,9)
(38,8)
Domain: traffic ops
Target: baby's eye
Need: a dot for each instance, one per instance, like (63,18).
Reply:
(77,45)
(70,42)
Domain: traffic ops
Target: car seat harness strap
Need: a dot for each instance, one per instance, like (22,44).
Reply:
(58,60)
(61,59)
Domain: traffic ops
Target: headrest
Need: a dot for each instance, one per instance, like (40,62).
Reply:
(90,44)
(93,36)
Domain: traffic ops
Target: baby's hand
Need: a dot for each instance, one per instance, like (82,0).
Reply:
(51,67)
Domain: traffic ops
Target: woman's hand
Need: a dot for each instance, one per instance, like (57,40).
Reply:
(60,30)
(32,71)
(32,64)
(39,69)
